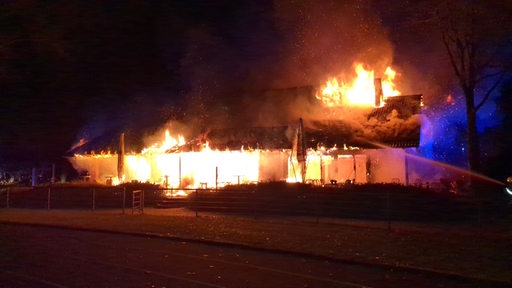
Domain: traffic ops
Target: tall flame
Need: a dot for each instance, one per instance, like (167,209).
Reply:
(388,86)
(168,143)
(360,91)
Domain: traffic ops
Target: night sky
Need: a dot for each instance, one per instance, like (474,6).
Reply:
(83,69)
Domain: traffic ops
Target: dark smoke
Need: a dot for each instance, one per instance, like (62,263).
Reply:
(329,36)
(249,64)
(297,44)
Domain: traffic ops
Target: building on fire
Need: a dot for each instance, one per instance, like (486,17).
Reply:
(297,135)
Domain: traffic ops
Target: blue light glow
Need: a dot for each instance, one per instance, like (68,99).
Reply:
(443,132)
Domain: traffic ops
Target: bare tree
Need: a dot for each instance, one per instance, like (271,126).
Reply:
(476,37)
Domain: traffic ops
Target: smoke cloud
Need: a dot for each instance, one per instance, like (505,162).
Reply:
(324,38)
(262,66)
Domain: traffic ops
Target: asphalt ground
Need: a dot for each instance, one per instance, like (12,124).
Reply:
(478,251)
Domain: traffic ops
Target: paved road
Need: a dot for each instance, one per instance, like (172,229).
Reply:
(32,256)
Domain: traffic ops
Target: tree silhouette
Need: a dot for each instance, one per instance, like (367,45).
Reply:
(475,34)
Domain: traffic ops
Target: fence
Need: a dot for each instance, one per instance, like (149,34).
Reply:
(76,197)
(387,202)
(388,205)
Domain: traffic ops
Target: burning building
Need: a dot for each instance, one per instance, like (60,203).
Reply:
(352,131)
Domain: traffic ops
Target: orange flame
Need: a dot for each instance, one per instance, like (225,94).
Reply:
(206,168)
(360,91)
(163,163)
(211,168)
(168,143)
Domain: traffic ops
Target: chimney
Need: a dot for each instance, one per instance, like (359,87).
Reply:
(377,82)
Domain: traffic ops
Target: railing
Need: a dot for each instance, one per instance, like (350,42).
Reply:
(385,202)
(80,197)
(377,205)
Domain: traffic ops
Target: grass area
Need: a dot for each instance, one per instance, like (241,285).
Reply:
(479,251)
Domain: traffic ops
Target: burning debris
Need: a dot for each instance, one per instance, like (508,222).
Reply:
(326,135)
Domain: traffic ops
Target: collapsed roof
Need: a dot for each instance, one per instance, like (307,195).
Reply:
(270,120)
(396,124)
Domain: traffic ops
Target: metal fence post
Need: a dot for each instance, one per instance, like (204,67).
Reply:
(7,197)
(49,196)
(124,199)
(93,199)
(317,205)
(195,206)
(388,209)
(252,203)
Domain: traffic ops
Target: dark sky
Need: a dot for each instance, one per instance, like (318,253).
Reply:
(82,69)
(85,67)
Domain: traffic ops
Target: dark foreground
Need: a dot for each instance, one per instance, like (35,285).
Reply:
(37,256)
(458,255)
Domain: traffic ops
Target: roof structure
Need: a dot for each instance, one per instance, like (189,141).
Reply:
(396,124)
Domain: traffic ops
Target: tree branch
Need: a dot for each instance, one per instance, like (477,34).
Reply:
(488,94)
(490,75)
(451,56)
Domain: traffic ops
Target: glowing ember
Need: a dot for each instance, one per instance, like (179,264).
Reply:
(360,91)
